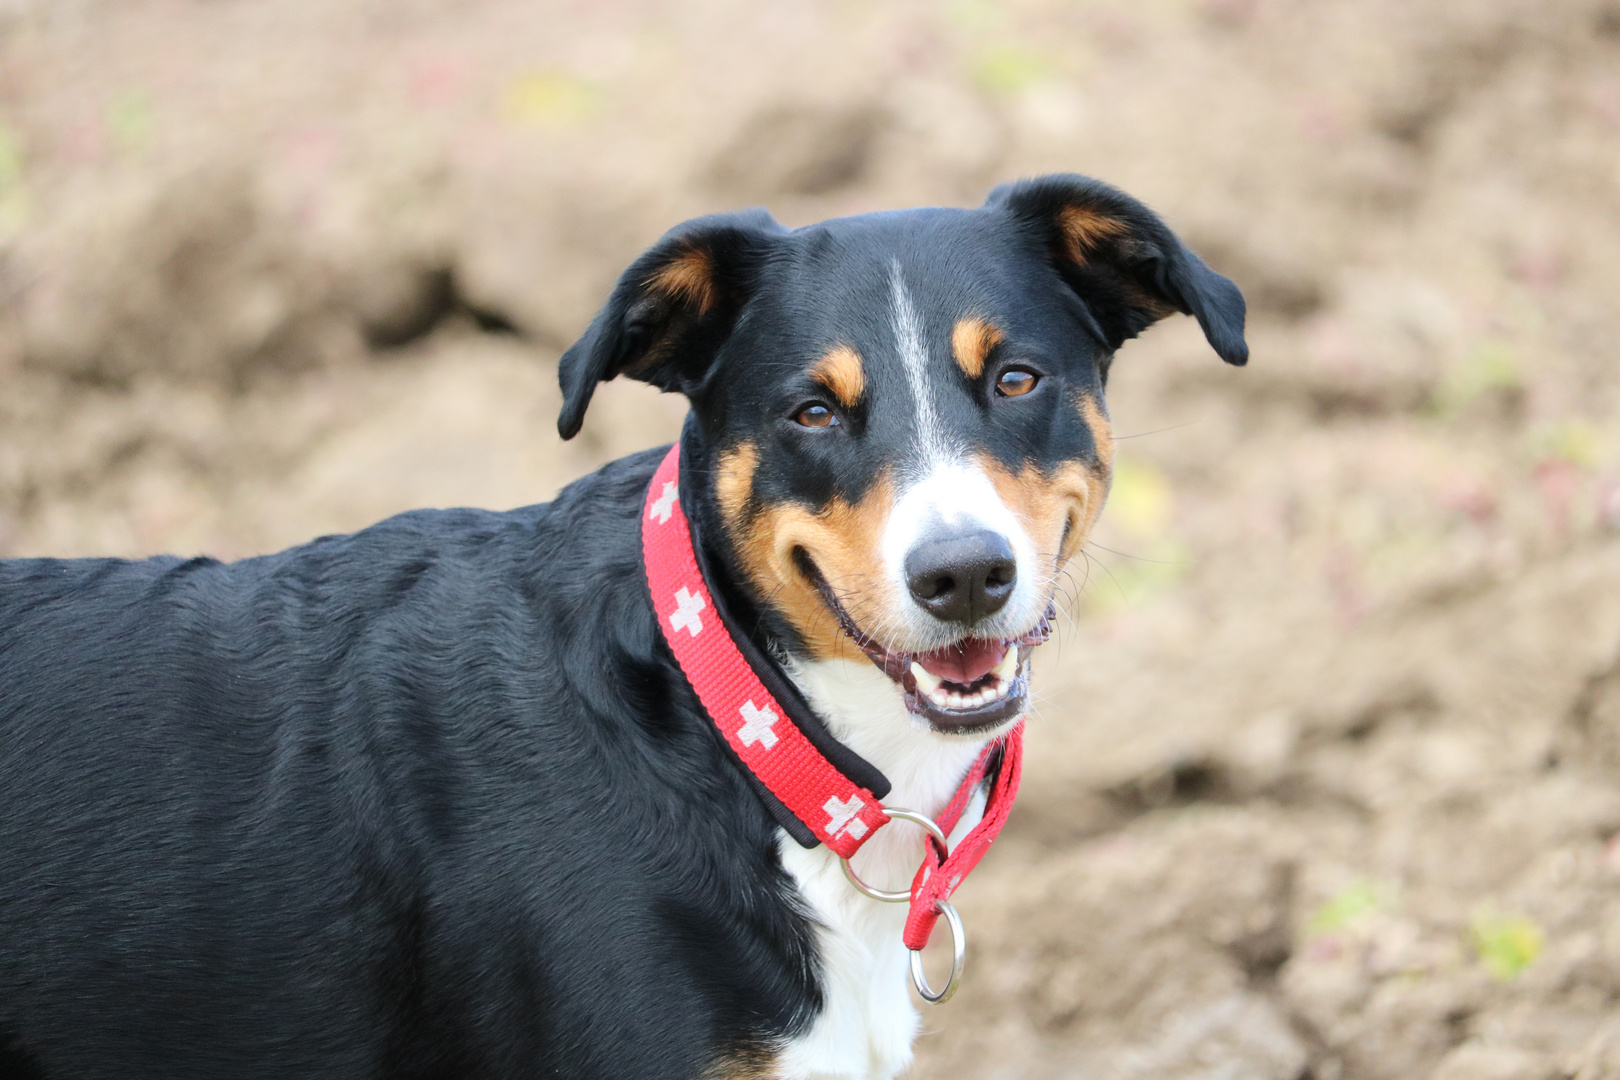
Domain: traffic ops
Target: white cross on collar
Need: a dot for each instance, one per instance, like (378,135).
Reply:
(687,606)
(664,505)
(757,725)
(843,814)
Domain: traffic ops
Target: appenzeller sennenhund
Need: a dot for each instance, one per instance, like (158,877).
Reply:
(434,801)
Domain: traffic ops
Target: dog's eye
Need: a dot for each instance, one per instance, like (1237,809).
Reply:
(1017,381)
(816,414)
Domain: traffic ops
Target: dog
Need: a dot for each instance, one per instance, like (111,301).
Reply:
(437,800)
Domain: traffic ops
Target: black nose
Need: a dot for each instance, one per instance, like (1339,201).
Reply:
(962,578)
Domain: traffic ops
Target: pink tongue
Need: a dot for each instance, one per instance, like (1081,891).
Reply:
(964,663)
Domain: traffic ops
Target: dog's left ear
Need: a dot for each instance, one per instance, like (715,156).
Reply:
(1125,264)
(670,312)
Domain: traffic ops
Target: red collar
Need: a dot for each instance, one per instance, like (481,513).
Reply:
(832,808)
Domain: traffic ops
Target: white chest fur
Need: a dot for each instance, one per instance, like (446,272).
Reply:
(867,1022)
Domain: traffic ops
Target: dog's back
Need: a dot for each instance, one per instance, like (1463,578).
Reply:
(371,806)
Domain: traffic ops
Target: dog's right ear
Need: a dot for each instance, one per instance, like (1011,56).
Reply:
(1124,264)
(671,310)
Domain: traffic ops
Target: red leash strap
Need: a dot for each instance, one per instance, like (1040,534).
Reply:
(841,813)
(937,880)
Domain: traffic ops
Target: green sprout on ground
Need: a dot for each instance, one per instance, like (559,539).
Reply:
(13,190)
(1491,367)
(549,97)
(1007,71)
(1505,944)
(1347,908)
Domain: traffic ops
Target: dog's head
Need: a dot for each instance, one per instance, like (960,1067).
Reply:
(901,414)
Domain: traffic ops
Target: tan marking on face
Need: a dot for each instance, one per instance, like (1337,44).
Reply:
(688,278)
(842,539)
(1099,477)
(1086,230)
(734,482)
(842,372)
(1059,508)
(1102,432)
(971,341)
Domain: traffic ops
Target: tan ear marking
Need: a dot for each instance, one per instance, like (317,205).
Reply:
(1086,230)
(689,278)
(971,341)
(842,372)
(1155,306)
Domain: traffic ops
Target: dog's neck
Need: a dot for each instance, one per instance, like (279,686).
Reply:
(867,1024)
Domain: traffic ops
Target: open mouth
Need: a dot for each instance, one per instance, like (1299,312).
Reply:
(973,684)
(949,688)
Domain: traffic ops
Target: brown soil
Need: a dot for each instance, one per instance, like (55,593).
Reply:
(1323,782)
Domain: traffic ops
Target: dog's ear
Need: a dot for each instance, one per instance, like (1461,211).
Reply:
(1126,266)
(670,312)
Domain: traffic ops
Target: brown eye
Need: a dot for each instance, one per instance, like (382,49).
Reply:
(816,415)
(1015,382)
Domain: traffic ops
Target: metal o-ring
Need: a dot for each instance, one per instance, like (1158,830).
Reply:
(915,818)
(958,954)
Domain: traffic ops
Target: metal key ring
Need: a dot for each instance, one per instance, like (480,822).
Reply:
(958,953)
(916,819)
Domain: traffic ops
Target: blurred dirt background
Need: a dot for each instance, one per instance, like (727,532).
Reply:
(1324,774)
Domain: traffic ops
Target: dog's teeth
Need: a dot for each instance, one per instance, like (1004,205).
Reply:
(947,696)
(926,682)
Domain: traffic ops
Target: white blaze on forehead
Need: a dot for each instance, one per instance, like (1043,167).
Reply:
(943,492)
(932,443)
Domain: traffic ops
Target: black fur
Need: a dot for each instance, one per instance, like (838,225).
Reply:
(425,801)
